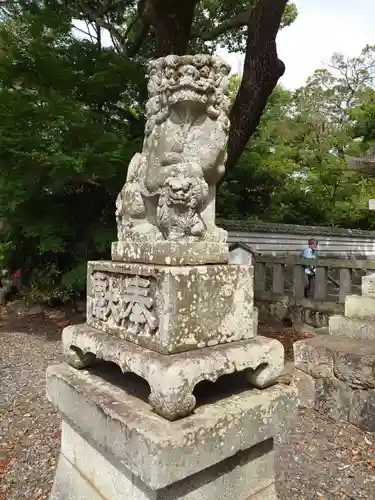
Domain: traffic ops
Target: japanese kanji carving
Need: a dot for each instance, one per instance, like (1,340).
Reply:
(139,304)
(99,305)
(125,300)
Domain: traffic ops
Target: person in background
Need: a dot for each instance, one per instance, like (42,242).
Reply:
(310,253)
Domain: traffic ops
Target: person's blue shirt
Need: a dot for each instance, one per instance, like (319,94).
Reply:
(309,253)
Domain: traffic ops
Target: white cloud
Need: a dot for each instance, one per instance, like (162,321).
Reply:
(321,29)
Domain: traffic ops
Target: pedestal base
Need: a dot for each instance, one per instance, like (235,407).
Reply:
(336,376)
(171,253)
(115,448)
(85,474)
(172,309)
(172,378)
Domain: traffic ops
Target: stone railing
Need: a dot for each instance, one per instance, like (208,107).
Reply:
(280,283)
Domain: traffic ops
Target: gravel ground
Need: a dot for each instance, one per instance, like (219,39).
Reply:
(323,460)
(317,460)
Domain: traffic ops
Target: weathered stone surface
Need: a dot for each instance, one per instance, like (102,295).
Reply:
(355,368)
(157,452)
(170,189)
(69,484)
(173,378)
(314,357)
(336,399)
(333,398)
(255,320)
(268,493)
(171,253)
(351,328)
(348,360)
(305,385)
(338,377)
(368,286)
(240,477)
(362,410)
(360,307)
(85,473)
(171,309)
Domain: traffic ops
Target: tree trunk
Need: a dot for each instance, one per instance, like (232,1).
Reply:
(262,70)
(171,22)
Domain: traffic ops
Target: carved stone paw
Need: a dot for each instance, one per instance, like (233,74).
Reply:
(78,359)
(263,376)
(172,406)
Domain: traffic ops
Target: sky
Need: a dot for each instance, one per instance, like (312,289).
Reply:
(321,28)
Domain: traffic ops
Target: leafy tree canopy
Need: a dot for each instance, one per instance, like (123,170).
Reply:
(72,117)
(294,170)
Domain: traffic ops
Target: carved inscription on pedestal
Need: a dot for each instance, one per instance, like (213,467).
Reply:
(139,304)
(124,300)
(100,303)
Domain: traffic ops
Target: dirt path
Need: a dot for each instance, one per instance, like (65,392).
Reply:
(318,460)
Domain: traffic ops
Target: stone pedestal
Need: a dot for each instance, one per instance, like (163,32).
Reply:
(114,447)
(172,379)
(169,253)
(170,313)
(172,309)
(335,373)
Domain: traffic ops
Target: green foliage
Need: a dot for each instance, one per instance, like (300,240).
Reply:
(294,170)
(364,119)
(211,15)
(71,121)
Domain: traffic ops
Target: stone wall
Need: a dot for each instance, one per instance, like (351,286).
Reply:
(276,239)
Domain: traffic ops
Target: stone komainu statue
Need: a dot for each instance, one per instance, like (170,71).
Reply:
(170,188)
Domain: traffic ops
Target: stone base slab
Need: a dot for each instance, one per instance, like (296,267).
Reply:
(325,356)
(336,376)
(84,473)
(336,400)
(172,379)
(171,253)
(352,328)
(124,429)
(172,309)
(360,307)
(305,385)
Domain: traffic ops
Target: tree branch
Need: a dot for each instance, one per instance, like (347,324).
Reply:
(131,25)
(5,11)
(115,43)
(236,21)
(262,70)
(87,33)
(135,47)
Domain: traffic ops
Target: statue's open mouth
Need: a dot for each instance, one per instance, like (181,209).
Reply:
(188,84)
(196,100)
(188,90)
